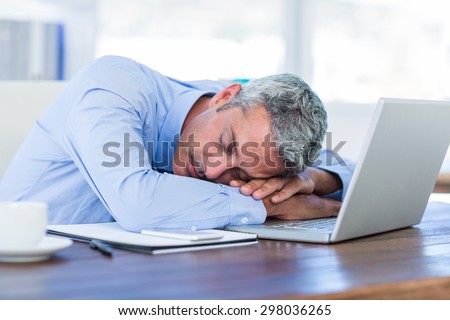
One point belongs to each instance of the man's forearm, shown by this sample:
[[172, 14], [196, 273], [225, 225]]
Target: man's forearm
[[302, 206], [341, 168], [325, 182]]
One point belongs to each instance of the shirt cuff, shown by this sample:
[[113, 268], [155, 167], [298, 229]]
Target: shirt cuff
[[245, 209]]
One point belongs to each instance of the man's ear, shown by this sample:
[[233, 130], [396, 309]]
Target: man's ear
[[225, 95]]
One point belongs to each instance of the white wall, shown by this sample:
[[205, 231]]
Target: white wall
[[20, 105], [349, 123]]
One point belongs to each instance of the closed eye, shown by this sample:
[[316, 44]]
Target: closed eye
[[229, 147]]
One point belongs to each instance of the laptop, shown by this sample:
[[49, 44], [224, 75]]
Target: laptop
[[393, 179]]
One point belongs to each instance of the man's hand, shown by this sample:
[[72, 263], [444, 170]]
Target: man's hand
[[311, 181], [302, 206]]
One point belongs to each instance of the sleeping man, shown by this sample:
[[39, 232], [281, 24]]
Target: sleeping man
[[124, 143]]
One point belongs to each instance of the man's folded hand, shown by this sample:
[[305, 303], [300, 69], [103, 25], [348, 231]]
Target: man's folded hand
[[311, 181]]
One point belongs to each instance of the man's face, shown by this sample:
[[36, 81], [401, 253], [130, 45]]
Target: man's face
[[226, 145]]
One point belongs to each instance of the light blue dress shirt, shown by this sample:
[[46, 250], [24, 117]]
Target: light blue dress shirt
[[85, 156]]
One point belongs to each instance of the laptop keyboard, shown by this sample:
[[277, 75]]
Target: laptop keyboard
[[317, 224]]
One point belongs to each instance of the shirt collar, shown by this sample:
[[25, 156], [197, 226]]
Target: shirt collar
[[171, 128]]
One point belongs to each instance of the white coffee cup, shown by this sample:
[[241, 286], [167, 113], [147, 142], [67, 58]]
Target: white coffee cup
[[22, 224]]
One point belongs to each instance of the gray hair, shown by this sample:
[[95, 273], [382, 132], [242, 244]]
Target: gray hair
[[299, 119]]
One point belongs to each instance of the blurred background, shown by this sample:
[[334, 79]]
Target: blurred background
[[352, 52], [348, 50]]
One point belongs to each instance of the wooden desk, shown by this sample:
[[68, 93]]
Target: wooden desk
[[412, 263]]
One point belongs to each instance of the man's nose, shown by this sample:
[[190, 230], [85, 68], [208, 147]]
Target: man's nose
[[217, 166]]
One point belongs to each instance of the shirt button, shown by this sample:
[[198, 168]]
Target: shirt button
[[194, 228], [244, 220]]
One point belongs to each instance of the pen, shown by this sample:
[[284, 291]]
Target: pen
[[104, 248]]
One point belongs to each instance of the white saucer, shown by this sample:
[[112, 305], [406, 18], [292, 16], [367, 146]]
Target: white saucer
[[41, 252]]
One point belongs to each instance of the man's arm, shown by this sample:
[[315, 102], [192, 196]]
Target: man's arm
[[302, 206], [339, 167], [314, 193], [330, 177]]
